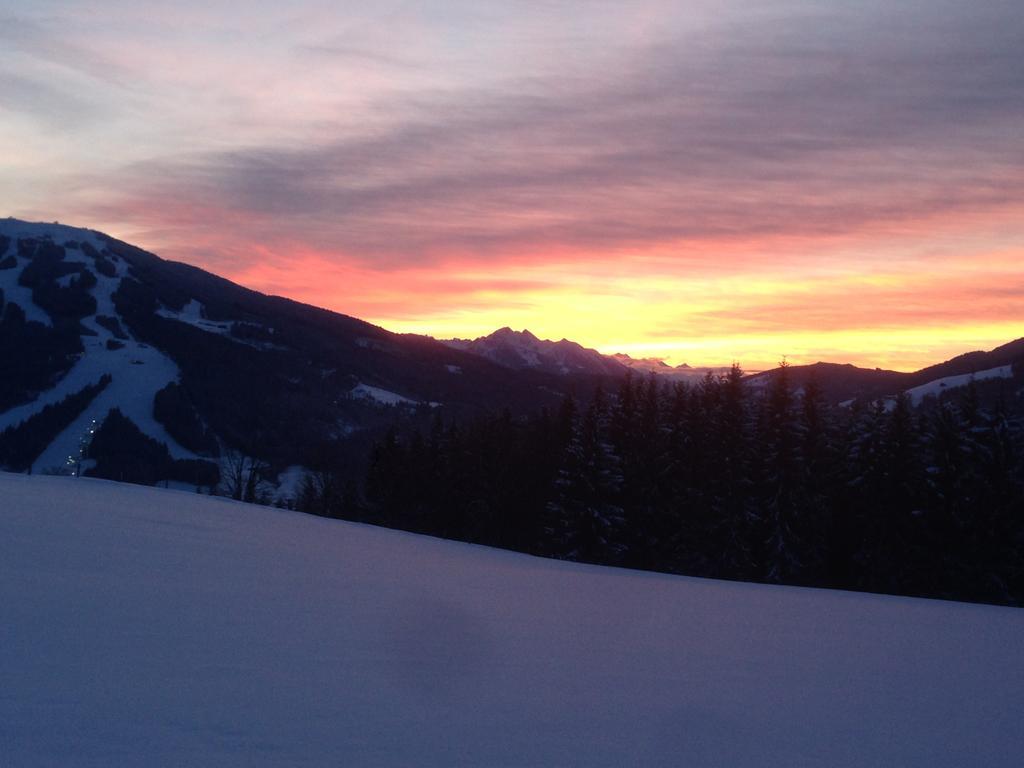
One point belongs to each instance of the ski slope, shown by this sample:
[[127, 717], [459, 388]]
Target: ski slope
[[938, 386], [160, 628], [137, 370], [378, 395]]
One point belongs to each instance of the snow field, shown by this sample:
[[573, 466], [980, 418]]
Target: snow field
[[161, 628], [938, 386], [378, 395]]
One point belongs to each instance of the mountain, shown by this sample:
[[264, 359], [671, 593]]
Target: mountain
[[521, 350], [971, 362], [840, 382], [657, 366], [158, 628], [124, 365], [845, 383], [205, 367]]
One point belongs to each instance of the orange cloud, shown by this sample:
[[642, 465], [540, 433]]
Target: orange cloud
[[903, 315], [706, 184]]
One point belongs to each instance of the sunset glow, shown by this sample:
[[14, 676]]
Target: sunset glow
[[699, 182]]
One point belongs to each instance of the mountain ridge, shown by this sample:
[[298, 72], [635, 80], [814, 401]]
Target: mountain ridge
[[523, 350], [205, 367], [519, 350], [267, 375]]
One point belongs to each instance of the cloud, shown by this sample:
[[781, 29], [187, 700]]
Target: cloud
[[786, 127], [53, 45], [636, 161], [921, 301], [54, 107], [355, 56]]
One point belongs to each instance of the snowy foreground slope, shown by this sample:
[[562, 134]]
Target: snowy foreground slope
[[161, 628]]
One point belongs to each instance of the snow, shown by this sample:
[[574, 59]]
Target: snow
[[521, 349], [383, 396], [917, 394], [19, 294], [289, 483], [103, 292], [193, 314], [529, 357], [160, 628], [138, 371], [58, 233], [647, 365], [365, 343]]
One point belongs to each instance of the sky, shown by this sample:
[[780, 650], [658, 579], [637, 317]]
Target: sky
[[706, 182]]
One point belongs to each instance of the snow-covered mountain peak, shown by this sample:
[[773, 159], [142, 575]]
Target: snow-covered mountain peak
[[522, 349], [508, 333], [63, 280], [654, 363], [658, 367], [54, 231]]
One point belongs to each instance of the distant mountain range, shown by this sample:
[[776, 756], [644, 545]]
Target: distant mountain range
[[841, 383], [522, 350], [200, 368], [661, 369]]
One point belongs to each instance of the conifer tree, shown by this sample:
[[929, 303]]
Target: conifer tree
[[780, 468], [585, 519]]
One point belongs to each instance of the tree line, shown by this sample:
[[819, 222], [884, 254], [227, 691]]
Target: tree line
[[721, 480]]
